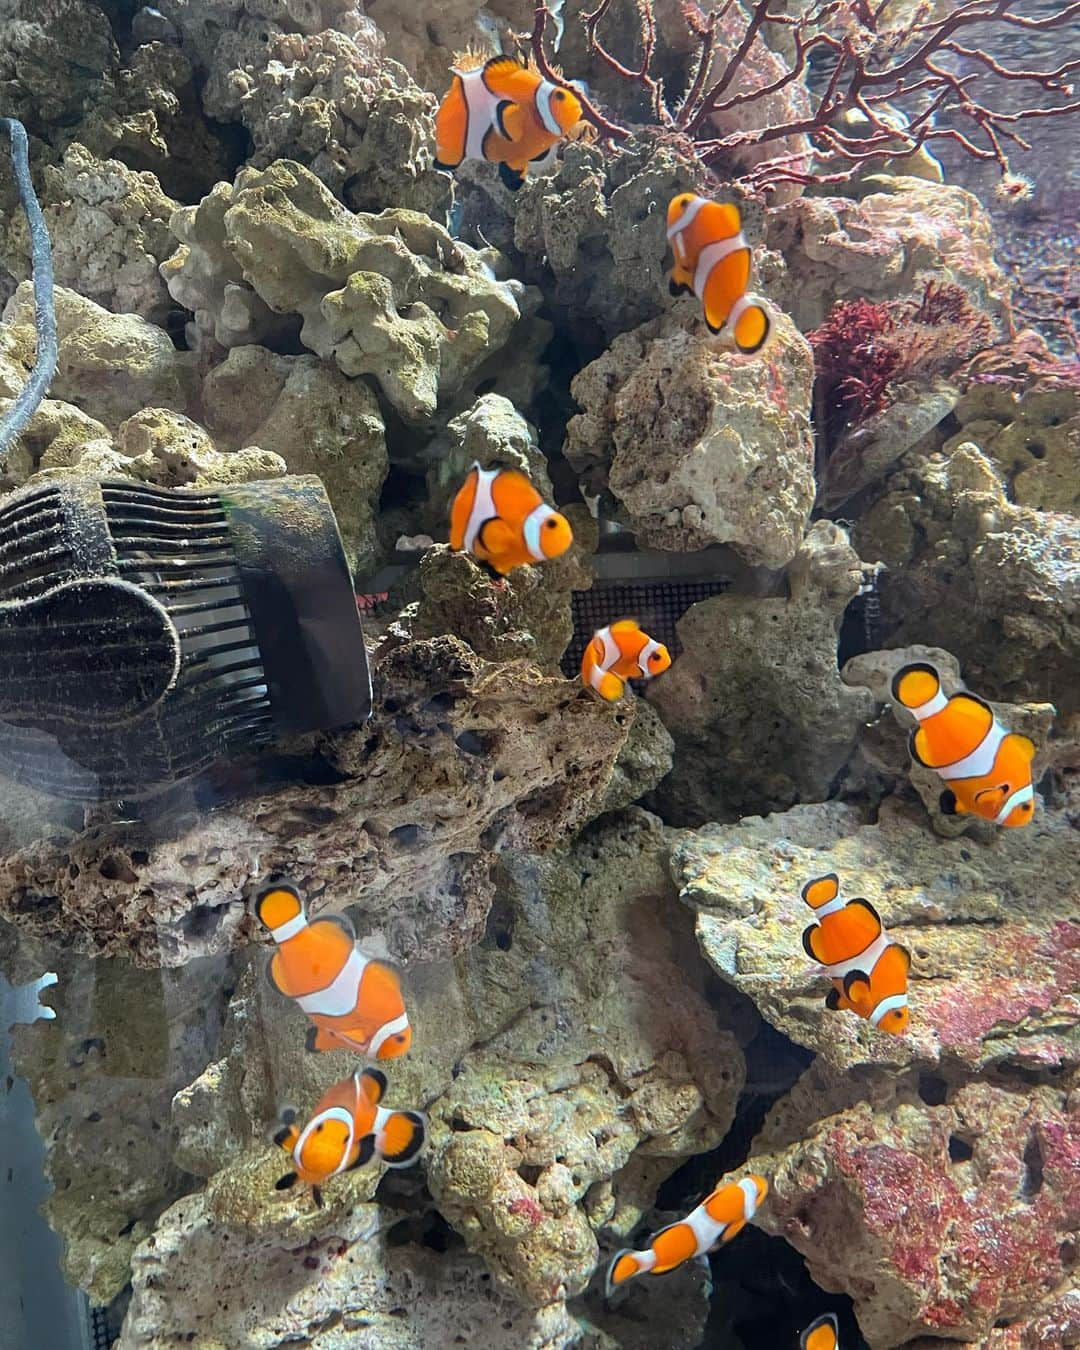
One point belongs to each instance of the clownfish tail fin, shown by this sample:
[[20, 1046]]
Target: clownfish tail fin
[[821, 1334], [624, 1266], [279, 903], [916, 684], [752, 327], [821, 890], [400, 1137]]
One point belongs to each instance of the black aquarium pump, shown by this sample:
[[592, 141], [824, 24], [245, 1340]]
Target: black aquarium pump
[[147, 632]]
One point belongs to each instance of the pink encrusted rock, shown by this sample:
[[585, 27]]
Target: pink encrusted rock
[[883, 246], [992, 927], [942, 1220]]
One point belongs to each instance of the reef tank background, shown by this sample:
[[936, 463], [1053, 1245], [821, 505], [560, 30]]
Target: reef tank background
[[595, 907]]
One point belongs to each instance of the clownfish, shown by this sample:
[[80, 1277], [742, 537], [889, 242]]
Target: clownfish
[[868, 971], [822, 1334], [719, 1218], [712, 259], [503, 112], [354, 1001], [347, 1128], [501, 519], [620, 653], [987, 768]]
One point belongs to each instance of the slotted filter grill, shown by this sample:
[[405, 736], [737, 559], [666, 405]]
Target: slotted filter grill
[[657, 605], [146, 632]]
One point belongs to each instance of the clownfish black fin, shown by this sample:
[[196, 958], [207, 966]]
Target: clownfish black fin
[[903, 952], [860, 903], [510, 177], [440, 167], [852, 978], [339, 921], [947, 803], [373, 1083], [316, 1194], [401, 1138], [832, 999], [500, 113], [677, 288], [808, 939], [713, 329], [286, 1182], [310, 1041], [365, 1155], [283, 1137]]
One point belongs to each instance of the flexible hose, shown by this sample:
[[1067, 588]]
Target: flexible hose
[[29, 399]]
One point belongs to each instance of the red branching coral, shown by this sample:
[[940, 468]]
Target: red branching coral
[[873, 65], [863, 352]]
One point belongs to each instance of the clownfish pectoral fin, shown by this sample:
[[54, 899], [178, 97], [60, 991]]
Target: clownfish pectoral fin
[[318, 1041], [364, 1153], [852, 982], [821, 890], [401, 1138], [832, 999], [989, 801], [822, 1334], [496, 537], [511, 178], [611, 688], [286, 1182], [286, 1137], [373, 1084], [811, 940], [501, 109], [947, 803], [677, 288]]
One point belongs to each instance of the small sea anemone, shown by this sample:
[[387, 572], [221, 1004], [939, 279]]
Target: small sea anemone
[[1014, 187]]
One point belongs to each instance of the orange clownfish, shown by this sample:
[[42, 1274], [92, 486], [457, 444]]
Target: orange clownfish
[[869, 973], [354, 1001], [712, 259], [718, 1219], [987, 768], [822, 1334], [505, 113], [620, 653], [501, 519], [347, 1128]]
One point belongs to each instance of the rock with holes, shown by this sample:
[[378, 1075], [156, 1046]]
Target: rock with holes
[[1032, 439], [882, 246], [760, 716], [401, 820], [102, 1077], [990, 924], [995, 583], [349, 1282], [392, 296], [941, 1220]]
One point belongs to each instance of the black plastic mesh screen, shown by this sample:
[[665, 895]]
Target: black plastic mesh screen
[[657, 606]]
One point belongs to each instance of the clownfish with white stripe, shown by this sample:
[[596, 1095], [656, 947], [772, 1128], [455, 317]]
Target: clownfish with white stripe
[[712, 259], [504, 112], [987, 768], [354, 1001], [501, 519], [347, 1129], [869, 972], [721, 1216], [619, 653], [823, 1333]]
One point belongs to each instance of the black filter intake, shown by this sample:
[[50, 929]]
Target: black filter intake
[[147, 632]]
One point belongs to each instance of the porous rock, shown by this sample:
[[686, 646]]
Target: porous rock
[[102, 1077], [317, 420], [392, 295], [109, 228], [760, 716], [173, 451], [939, 1220], [991, 928], [1033, 440], [462, 758], [883, 246], [109, 365], [349, 1285], [995, 583], [696, 444]]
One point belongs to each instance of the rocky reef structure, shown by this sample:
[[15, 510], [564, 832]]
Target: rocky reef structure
[[595, 907]]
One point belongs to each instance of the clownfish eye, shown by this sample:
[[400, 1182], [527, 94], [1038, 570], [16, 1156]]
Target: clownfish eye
[[550, 523], [560, 93]]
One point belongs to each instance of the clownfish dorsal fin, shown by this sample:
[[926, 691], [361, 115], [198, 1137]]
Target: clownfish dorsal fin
[[502, 65], [626, 626], [902, 954], [341, 921], [860, 903], [1024, 744], [811, 941], [821, 890], [726, 220]]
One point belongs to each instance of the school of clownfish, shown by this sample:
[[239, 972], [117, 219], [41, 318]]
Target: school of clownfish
[[505, 113]]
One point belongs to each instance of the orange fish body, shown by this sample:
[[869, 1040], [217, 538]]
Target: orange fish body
[[354, 1001], [501, 519], [868, 971], [719, 1218], [712, 259], [987, 768], [821, 1334], [619, 653], [347, 1128], [505, 113]]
